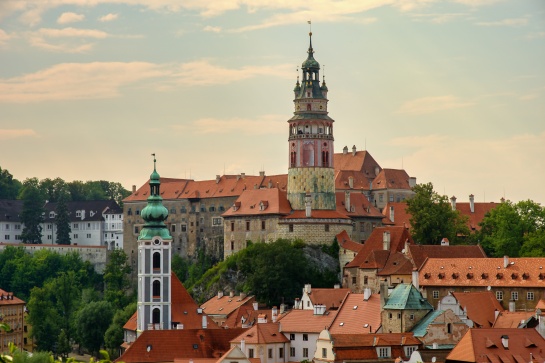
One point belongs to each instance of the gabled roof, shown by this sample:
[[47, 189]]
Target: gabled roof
[[360, 161], [170, 189], [359, 206], [262, 333], [226, 304], [392, 179], [166, 345], [512, 319], [485, 346], [406, 297], [345, 242], [520, 272], [400, 217], [397, 264], [91, 210], [260, 202], [373, 255], [10, 210], [249, 315], [363, 347], [479, 211], [305, 321], [357, 316], [480, 306], [331, 298], [419, 253], [7, 298], [359, 181], [421, 328]]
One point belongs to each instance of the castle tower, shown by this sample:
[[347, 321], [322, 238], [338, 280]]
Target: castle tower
[[154, 255], [311, 141]]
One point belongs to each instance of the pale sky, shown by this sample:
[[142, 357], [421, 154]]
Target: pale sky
[[452, 91]]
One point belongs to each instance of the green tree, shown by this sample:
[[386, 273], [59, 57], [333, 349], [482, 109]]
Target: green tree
[[43, 318], [114, 335], [9, 187], [513, 229], [67, 294], [117, 278], [63, 345], [62, 221], [432, 217], [92, 322], [32, 212], [54, 189]]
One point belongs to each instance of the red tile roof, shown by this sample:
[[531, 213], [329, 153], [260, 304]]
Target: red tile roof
[[249, 315], [359, 180], [479, 211], [260, 202], [397, 264], [419, 253], [373, 255], [345, 242], [331, 298], [512, 319], [305, 321], [131, 324], [7, 298], [359, 205], [520, 272], [363, 346], [262, 333], [167, 345], [392, 179], [358, 316], [481, 306], [316, 214], [401, 217], [485, 346], [170, 189], [361, 161], [226, 305]]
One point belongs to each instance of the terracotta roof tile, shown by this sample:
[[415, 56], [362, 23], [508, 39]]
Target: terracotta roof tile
[[485, 346], [392, 179], [305, 321], [361, 161], [260, 202], [7, 298], [400, 216], [363, 346], [170, 189], [168, 345], [226, 305], [419, 253], [397, 264], [480, 306], [345, 242], [512, 319], [316, 214], [131, 324], [262, 333], [359, 205], [331, 298], [520, 272], [249, 315], [479, 211], [359, 181], [358, 316]]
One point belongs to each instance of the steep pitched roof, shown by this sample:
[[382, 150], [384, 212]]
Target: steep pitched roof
[[226, 304], [247, 316], [305, 321], [373, 255], [397, 264], [357, 316], [512, 319], [419, 253], [331, 298], [345, 242], [350, 347], [360, 206], [485, 346], [262, 333], [421, 328], [520, 272], [479, 211], [398, 215], [480, 306], [343, 178], [260, 202], [166, 345], [90, 210], [360, 161], [10, 210], [7, 298], [406, 297], [392, 179], [170, 189]]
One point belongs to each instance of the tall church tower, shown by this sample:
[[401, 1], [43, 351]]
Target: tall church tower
[[311, 141], [154, 255]]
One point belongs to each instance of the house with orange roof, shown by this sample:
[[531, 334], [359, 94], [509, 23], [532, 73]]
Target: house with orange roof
[[518, 283], [364, 215], [166, 346], [359, 314], [516, 319], [348, 249], [246, 316], [381, 251], [264, 341], [302, 328], [499, 345], [330, 298], [477, 309], [221, 307], [333, 348], [419, 253], [12, 312]]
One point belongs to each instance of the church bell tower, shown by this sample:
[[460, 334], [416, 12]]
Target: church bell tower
[[311, 141], [154, 256]]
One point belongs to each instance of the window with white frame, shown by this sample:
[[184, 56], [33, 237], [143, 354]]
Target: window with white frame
[[305, 337], [435, 294], [292, 351], [514, 295], [216, 221], [409, 350], [292, 336], [384, 352], [530, 295], [499, 295], [324, 352], [305, 352]]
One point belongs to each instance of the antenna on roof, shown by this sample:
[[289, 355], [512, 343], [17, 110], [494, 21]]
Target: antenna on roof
[[365, 146]]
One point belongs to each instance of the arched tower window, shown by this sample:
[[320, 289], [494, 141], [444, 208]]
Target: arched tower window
[[308, 107], [308, 155], [156, 316], [156, 288], [293, 159], [325, 158], [156, 260]]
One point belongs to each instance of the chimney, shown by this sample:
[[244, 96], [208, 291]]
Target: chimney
[[412, 182], [220, 294], [218, 179], [282, 308], [472, 203], [453, 202], [366, 293], [232, 294], [377, 170], [336, 286], [243, 346], [505, 261], [274, 314], [354, 150], [242, 296], [242, 175], [262, 173], [392, 213], [351, 182], [347, 200], [502, 200], [270, 185], [505, 341], [133, 189], [386, 240], [406, 248], [255, 305], [204, 322], [444, 241], [308, 288], [308, 205], [297, 304], [345, 150], [180, 326], [414, 278], [383, 294], [496, 314]]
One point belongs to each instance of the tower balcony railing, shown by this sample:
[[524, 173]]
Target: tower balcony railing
[[311, 136]]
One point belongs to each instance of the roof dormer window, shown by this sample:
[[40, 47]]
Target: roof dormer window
[[78, 214]]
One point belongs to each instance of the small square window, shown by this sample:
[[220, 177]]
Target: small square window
[[435, 294]]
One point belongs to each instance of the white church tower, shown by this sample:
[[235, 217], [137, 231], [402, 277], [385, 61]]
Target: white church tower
[[154, 256]]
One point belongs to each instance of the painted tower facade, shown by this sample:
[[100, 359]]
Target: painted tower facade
[[154, 256], [311, 174]]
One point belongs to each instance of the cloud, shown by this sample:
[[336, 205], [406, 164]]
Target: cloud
[[263, 125], [432, 104], [410, 5], [213, 29], [108, 17], [66, 40], [437, 18], [70, 81], [4, 37], [69, 17], [6, 134], [505, 22], [492, 166]]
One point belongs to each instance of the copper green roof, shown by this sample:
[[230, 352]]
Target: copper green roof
[[407, 297], [310, 62], [422, 327]]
